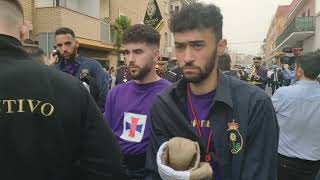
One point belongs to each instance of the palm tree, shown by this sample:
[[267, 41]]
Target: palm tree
[[121, 23]]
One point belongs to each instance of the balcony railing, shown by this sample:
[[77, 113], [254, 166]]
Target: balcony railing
[[299, 24], [87, 27]]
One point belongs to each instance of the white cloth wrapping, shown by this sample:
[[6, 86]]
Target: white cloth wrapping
[[166, 172]]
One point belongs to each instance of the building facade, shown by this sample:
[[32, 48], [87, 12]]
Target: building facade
[[135, 10], [275, 29], [89, 20], [93, 22], [300, 27], [294, 26]]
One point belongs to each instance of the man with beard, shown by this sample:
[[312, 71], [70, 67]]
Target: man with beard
[[298, 111], [128, 105], [87, 70], [233, 121]]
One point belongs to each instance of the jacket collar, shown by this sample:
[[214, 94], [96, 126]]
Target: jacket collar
[[223, 91], [78, 60], [11, 47]]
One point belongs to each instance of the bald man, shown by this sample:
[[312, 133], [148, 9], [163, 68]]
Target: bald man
[[50, 127]]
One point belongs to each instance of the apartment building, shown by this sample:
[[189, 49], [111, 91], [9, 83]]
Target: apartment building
[[275, 30], [89, 20], [299, 27], [92, 22], [296, 28]]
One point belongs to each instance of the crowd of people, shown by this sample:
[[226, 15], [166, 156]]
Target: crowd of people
[[199, 120]]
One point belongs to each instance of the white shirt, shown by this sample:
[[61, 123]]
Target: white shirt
[[270, 72], [298, 112]]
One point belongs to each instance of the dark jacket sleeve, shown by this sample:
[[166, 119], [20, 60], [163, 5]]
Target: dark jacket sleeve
[[263, 77], [260, 160], [157, 137], [100, 157], [102, 85]]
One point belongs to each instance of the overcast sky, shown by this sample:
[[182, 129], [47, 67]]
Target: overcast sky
[[247, 21]]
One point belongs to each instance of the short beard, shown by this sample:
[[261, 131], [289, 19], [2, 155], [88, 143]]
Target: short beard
[[142, 72], [73, 55], [208, 68]]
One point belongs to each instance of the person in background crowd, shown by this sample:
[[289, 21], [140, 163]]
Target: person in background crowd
[[50, 127], [276, 79], [243, 74], [165, 73], [288, 75], [128, 104], [224, 64], [113, 77], [270, 72], [233, 121], [177, 71], [123, 75], [259, 74], [81, 67], [298, 111], [36, 54]]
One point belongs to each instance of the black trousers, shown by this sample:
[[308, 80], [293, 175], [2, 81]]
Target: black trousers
[[296, 169], [274, 86], [134, 166]]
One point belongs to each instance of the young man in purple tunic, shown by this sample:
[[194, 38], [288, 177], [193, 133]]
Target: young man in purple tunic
[[128, 105], [233, 121]]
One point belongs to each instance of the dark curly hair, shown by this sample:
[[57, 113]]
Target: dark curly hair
[[198, 16], [64, 30], [142, 34], [310, 64]]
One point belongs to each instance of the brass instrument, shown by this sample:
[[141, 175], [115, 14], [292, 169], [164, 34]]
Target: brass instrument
[[251, 76], [252, 72]]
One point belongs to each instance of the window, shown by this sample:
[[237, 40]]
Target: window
[[176, 8], [105, 32], [30, 34], [166, 42], [303, 14], [308, 12], [113, 36]]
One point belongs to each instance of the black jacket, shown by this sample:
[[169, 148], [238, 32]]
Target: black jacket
[[235, 100], [170, 76], [122, 75], [263, 77], [98, 79], [280, 77], [50, 127]]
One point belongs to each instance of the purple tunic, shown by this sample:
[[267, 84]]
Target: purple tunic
[[127, 112], [201, 105]]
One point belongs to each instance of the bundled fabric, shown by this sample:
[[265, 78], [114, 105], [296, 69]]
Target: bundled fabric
[[179, 159]]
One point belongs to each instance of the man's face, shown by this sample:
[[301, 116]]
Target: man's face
[[140, 59], [257, 63], [162, 67], [67, 46], [196, 53]]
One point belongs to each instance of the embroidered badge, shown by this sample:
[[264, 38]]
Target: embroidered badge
[[133, 127], [236, 140], [84, 72]]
